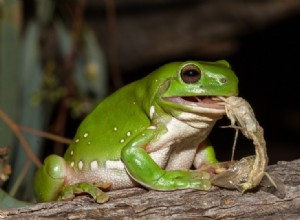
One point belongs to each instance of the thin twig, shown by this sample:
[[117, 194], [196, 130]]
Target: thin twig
[[46, 135], [20, 178], [113, 43], [68, 70], [26, 146]]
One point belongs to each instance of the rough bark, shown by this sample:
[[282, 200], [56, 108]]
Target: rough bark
[[263, 203]]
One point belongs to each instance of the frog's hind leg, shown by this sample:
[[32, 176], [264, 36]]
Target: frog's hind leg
[[51, 179], [205, 159], [70, 191]]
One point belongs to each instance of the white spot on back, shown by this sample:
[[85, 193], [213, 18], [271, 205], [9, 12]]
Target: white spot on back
[[94, 165], [110, 164], [152, 127], [89, 143], [72, 152], [115, 129], [86, 135], [128, 133], [77, 140], [80, 165], [152, 111], [122, 140], [72, 164]]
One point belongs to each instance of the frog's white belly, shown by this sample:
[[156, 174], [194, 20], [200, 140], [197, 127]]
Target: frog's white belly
[[175, 149]]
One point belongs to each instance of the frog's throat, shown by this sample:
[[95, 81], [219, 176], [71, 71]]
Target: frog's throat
[[209, 102]]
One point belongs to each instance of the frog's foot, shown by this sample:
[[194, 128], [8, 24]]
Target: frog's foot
[[178, 179], [70, 191], [216, 168]]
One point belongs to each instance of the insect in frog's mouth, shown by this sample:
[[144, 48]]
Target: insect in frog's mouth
[[201, 101]]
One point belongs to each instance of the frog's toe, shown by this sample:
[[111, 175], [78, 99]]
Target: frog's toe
[[196, 180], [179, 179], [70, 191], [200, 185], [216, 168], [200, 180]]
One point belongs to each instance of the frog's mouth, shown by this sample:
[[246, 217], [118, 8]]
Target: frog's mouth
[[211, 102]]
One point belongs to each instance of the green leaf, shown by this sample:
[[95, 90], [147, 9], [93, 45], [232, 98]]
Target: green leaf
[[9, 66], [7, 201]]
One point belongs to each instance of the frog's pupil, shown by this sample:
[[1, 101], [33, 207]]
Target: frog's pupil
[[192, 73]]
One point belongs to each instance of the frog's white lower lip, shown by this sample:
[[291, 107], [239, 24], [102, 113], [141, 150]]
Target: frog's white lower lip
[[211, 102]]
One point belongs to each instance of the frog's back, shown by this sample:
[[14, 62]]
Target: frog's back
[[106, 130]]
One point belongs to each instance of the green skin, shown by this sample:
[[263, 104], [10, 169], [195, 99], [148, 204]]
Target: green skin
[[144, 133]]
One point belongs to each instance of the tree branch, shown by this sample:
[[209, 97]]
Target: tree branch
[[137, 203]]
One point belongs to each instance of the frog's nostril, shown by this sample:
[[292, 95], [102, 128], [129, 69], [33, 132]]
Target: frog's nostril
[[223, 80]]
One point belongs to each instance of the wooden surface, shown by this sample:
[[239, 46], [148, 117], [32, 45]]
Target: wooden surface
[[137, 203]]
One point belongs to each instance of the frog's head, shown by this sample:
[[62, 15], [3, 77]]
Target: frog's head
[[196, 85]]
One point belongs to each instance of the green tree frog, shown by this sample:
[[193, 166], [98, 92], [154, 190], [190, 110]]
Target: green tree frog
[[150, 133]]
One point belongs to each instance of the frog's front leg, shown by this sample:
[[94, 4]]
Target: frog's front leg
[[50, 182], [142, 168], [205, 159]]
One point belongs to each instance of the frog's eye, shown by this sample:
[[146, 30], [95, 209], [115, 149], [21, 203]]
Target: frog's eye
[[190, 74]]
